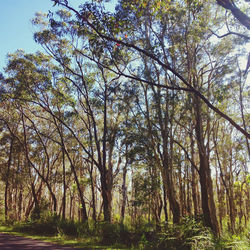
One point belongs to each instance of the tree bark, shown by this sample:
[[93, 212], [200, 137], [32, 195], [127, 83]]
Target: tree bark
[[208, 204], [7, 180], [124, 190], [106, 196], [64, 186], [194, 182]]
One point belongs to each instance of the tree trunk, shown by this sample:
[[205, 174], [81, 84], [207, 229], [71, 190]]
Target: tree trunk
[[20, 201], [170, 186], [208, 205], [7, 180], [93, 192], [174, 205], [106, 196], [124, 187], [124, 193], [165, 208], [181, 194], [194, 182], [64, 185]]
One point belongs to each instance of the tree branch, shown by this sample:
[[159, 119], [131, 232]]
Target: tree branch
[[165, 66], [237, 13], [230, 33]]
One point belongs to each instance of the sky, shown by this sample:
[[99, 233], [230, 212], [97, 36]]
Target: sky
[[16, 30]]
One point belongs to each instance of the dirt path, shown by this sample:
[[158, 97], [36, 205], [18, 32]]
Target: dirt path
[[12, 242]]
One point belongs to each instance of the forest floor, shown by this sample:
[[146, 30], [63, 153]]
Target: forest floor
[[10, 239]]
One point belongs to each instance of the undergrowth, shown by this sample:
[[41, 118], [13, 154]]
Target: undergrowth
[[189, 234]]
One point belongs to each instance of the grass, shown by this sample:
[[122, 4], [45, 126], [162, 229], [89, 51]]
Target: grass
[[83, 243]]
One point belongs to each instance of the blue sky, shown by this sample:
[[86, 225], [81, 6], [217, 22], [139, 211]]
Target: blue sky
[[16, 30]]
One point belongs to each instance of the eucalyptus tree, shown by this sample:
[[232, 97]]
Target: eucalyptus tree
[[25, 82], [13, 170], [177, 54], [7, 141], [107, 28], [80, 57], [231, 162]]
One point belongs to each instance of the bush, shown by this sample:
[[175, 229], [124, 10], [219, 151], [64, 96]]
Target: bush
[[41, 210], [44, 226], [190, 234], [112, 233], [72, 228]]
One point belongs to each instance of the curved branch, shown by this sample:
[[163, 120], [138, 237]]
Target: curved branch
[[165, 66], [237, 13], [230, 33]]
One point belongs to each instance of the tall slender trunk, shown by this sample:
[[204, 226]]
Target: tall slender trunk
[[181, 194], [170, 187], [167, 175], [165, 208], [20, 201], [106, 196], [64, 185], [84, 216], [93, 191], [30, 163], [189, 202], [106, 188], [194, 182], [71, 206], [174, 205], [7, 180], [124, 192], [167, 161], [208, 204]]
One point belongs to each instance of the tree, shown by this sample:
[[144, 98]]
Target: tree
[[237, 13]]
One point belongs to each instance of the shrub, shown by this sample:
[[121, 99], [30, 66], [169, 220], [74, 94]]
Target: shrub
[[110, 233], [190, 234], [41, 210], [43, 226], [72, 228]]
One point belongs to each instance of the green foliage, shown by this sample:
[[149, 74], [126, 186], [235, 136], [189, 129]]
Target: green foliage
[[190, 234], [71, 228], [43, 226], [240, 240], [52, 225], [40, 211], [35, 213], [112, 233], [235, 242], [143, 242], [68, 84]]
